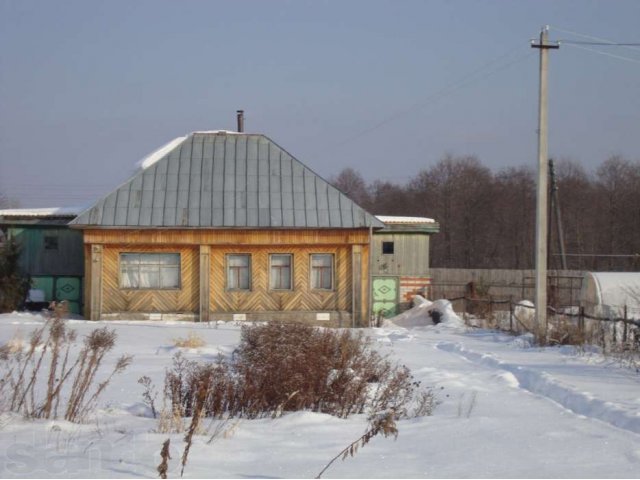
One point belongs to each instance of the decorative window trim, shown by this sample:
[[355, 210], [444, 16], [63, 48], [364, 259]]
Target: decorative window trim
[[160, 265], [249, 272], [332, 272], [290, 267]]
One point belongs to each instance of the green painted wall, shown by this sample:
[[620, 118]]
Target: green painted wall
[[38, 255]]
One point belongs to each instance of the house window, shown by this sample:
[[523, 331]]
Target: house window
[[280, 272], [387, 248], [322, 271], [239, 272], [50, 242], [143, 271]]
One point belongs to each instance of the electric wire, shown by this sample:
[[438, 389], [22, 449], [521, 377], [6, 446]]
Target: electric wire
[[477, 74], [591, 37], [607, 54]]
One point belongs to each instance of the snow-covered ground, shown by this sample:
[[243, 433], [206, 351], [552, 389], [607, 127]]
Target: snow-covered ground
[[507, 409]]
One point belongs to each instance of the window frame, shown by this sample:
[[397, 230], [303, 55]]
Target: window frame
[[138, 288], [51, 242], [332, 268], [249, 272], [280, 289], [393, 247]]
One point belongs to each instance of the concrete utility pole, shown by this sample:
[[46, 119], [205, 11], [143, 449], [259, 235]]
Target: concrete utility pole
[[555, 205], [542, 194]]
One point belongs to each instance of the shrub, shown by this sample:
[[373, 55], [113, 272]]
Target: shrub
[[287, 367], [13, 287]]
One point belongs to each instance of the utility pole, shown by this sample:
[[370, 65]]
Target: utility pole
[[542, 192], [555, 203]]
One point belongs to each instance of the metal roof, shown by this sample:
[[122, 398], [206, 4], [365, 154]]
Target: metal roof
[[226, 180], [393, 219]]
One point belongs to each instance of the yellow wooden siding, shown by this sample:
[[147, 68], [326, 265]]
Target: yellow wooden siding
[[116, 299], [262, 298], [227, 237], [301, 244]]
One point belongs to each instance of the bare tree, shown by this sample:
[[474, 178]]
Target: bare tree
[[351, 183]]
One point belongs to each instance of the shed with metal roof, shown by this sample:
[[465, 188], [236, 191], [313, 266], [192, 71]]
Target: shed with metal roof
[[51, 255], [400, 262]]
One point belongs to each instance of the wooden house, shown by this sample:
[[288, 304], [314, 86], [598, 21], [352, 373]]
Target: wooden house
[[224, 225], [400, 262], [51, 254]]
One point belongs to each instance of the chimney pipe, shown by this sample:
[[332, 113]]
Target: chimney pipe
[[240, 121]]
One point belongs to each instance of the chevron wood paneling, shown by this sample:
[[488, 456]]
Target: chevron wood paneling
[[260, 298], [300, 244], [185, 299]]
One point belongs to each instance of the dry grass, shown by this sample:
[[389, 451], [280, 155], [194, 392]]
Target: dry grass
[[33, 376], [193, 340]]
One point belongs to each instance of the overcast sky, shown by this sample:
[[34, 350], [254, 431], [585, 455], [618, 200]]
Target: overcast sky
[[88, 88]]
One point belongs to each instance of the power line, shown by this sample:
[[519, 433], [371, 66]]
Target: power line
[[480, 73], [604, 44], [591, 37], [606, 54]]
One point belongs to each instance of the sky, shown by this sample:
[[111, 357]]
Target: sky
[[385, 87]]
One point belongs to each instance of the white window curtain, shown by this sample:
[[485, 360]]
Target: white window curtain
[[322, 271], [150, 270], [238, 272], [280, 274]]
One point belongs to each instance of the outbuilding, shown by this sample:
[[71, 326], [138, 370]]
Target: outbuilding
[[400, 262], [611, 294], [50, 253]]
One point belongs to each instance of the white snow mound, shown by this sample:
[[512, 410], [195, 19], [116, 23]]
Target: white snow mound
[[420, 314]]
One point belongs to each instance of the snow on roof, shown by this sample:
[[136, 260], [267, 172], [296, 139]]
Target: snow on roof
[[156, 155], [404, 220], [42, 212], [227, 132], [618, 288]]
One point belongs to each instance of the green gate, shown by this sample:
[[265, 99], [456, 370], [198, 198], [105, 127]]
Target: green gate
[[385, 295], [60, 288]]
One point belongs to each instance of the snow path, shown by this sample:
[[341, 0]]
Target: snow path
[[544, 384]]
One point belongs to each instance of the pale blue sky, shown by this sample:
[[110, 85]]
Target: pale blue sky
[[87, 88]]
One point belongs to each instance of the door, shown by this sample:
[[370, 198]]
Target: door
[[385, 295], [69, 289]]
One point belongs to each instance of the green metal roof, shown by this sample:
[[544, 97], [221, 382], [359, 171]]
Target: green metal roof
[[226, 180]]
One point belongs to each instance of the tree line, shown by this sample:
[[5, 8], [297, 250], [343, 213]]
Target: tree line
[[487, 219]]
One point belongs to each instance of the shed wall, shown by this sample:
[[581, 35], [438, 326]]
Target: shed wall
[[35, 259], [410, 257]]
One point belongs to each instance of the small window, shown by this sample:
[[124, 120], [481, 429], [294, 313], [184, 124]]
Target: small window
[[280, 272], [322, 271], [387, 248], [239, 272], [50, 242], [143, 271]]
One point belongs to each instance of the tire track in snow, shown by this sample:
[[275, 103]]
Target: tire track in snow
[[544, 384]]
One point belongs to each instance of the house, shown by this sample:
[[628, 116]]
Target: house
[[50, 253], [222, 225], [400, 262]]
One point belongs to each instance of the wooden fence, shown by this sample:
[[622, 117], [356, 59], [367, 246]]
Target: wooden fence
[[563, 285]]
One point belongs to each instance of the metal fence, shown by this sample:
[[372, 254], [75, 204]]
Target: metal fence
[[565, 326]]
